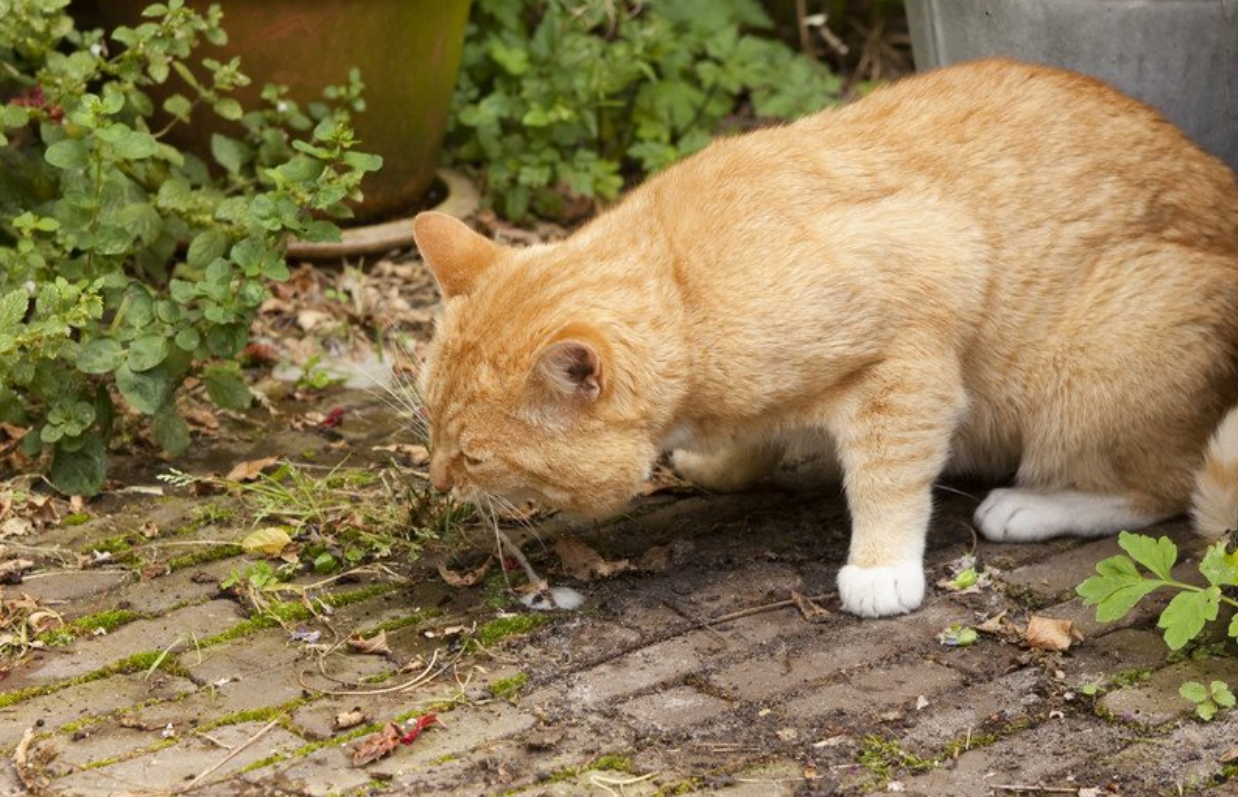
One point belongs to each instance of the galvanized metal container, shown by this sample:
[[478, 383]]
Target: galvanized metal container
[[1180, 56]]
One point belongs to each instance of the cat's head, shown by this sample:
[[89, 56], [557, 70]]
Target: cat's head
[[527, 382]]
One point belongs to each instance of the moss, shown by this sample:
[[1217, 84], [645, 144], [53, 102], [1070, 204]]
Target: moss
[[211, 553], [263, 714], [976, 740], [112, 545], [885, 757], [76, 519], [414, 619], [1130, 678], [277, 612], [683, 787], [508, 688], [614, 763], [501, 628], [138, 662]]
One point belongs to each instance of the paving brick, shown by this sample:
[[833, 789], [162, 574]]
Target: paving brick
[[952, 715], [172, 767], [869, 691], [850, 643], [328, 771], [189, 585], [673, 709], [1049, 754], [1097, 660], [70, 592], [1200, 748], [93, 699], [634, 672], [175, 631], [1156, 700]]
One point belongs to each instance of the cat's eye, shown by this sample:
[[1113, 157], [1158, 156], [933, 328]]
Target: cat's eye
[[471, 460]]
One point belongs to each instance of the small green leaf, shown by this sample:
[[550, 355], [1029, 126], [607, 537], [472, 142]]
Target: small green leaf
[[68, 154], [80, 471], [325, 563], [230, 153], [171, 432], [1220, 693], [13, 309], [229, 109], [100, 356], [178, 105], [1219, 567], [147, 351], [1186, 615], [1193, 691], [226, 386], [146, 391], [1157, 555], [206, 247], [188, 339], [128, 143]]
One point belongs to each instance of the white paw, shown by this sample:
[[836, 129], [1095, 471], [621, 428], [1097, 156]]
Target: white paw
[[1018, 516], [1014, 515], [881, 591]]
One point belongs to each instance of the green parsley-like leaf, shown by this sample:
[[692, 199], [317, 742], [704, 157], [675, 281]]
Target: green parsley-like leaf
[[1116, 588], [1218, 567], [1193, 691], [1157, 555], [1186, 615], [1219, 691]]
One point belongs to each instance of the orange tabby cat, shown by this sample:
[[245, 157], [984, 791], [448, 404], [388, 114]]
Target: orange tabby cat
[[995, 268]]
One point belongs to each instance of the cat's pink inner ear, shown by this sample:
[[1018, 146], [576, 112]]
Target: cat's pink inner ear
[[572, 368], [456, 254]]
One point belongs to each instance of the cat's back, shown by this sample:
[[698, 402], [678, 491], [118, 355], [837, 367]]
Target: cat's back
[[1037, 142]]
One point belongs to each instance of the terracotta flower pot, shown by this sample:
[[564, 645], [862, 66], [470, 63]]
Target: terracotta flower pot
[[408, 52]]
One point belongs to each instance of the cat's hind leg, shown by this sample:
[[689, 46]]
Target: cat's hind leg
[[730, 469], [1024, 515]]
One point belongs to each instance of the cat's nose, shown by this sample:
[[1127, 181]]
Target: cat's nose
[[440, 475]]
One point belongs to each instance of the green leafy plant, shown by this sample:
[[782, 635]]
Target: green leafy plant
[[127, 265], [568, 98], [1118, 585], [1208, 699]]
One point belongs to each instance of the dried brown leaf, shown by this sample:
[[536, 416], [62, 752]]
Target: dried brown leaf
[[583, 563], [467, 579], [655, 559], [349, 719], [1046, 633], [149, 530], [16, 527], [375, 645], [376, 745], [250, 470]]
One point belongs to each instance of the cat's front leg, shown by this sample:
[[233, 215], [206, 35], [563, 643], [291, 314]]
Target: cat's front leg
[[893, 434]]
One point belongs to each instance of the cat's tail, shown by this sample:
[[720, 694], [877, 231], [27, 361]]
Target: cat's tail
[[1214, 505]]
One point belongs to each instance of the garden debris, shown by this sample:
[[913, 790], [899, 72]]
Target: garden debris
[[349, 719], [416, 455], [585, 564], [958, 636], [271, 541], [1045, 633], [1229, 756], [12, 570], [656, 559], [250, 470], [966, 577], [467, 579], [380, 743], [375, 645], [809, 610]]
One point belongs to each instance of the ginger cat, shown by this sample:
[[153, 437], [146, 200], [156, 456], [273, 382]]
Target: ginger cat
[[994, 268]]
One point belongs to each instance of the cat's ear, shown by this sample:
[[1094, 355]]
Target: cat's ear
[[456, 254], [571, 369]]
